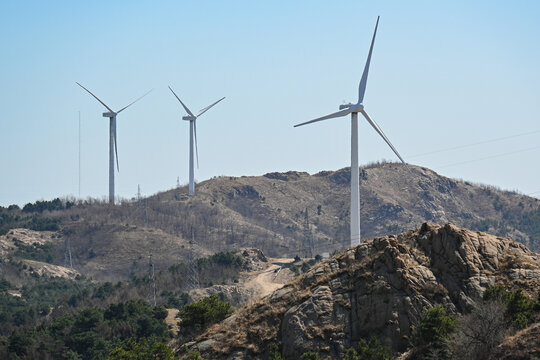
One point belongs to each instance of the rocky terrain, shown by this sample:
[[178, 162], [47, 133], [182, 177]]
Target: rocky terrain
[[381, 288]]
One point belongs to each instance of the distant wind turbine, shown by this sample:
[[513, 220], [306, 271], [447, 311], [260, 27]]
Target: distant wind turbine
[[112, 139], [193, 133], [354, 109]]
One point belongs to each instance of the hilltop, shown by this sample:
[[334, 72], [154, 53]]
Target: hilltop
[[283, 214]]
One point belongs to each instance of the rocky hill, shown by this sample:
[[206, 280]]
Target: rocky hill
[[283, 214], [381, 288]]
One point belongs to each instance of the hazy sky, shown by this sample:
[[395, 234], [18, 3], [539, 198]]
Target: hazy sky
[[443, 75]]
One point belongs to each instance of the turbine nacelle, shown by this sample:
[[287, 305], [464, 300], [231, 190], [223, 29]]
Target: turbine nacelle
[[352, 107], [189, 118], [109, 114]]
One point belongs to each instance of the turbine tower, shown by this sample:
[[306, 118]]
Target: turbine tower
[[112, 139], [193, 136], [354, 109]]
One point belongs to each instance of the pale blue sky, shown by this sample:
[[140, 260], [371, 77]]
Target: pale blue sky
[[443, 74]]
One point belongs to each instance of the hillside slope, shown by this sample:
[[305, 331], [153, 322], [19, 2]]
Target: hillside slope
[[283, 214], [380, 287]]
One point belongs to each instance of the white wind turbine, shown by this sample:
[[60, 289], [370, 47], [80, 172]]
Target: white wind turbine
[[193, 134], [354, 109], [112, 139]]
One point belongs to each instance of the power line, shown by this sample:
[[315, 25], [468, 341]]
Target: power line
[[489, 157], [473, 144]]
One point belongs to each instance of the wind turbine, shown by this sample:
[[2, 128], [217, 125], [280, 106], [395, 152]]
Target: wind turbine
[[354, 109], [112, 138], [193, 133]]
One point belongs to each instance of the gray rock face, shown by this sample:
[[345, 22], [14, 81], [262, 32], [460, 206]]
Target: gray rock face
[[380, 288]]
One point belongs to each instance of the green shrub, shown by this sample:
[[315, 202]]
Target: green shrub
[[142, 349], [221, 258], [368, 350], [518, 307], [192, 355], [203, 313], [434, 328], [310, 355], [275, 354]]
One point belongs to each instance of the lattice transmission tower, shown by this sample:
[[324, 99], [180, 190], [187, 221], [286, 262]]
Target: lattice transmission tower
[[192, 276]]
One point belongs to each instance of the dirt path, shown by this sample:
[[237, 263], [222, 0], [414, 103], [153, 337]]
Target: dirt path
[[266, 281], [172, 321]]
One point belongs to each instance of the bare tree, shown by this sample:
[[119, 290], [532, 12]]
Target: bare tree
[[480, 331]]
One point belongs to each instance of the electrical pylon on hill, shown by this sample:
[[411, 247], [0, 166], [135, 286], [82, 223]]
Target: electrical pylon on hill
[[68, 261], [151, 282], [192, 276], [308, 237]]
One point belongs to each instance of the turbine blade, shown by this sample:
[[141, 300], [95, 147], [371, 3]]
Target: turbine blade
[[363, 81], [208, 107], [196, 148], [381, 133], [102, 103], [115, 144], [334, 115], [125, 107], [185, 107]]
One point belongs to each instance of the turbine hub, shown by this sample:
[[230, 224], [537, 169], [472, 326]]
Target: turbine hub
[[356, 107], [345, 106]]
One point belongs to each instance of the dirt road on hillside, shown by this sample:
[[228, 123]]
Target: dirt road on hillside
[[266, 281]]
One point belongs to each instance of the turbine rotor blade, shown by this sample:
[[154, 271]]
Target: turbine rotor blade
[[102, 103], [196, 147], [381, 133], [125, 107], [115, 144], [185, 107], [363, 81], [334, 115], [208, 107]]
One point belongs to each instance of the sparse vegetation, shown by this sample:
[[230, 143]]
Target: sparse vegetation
[[36, 251], [477, 334], [518, 307]]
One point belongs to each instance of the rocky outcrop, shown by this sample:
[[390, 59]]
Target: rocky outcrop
[[380, 287], [234, 294]]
